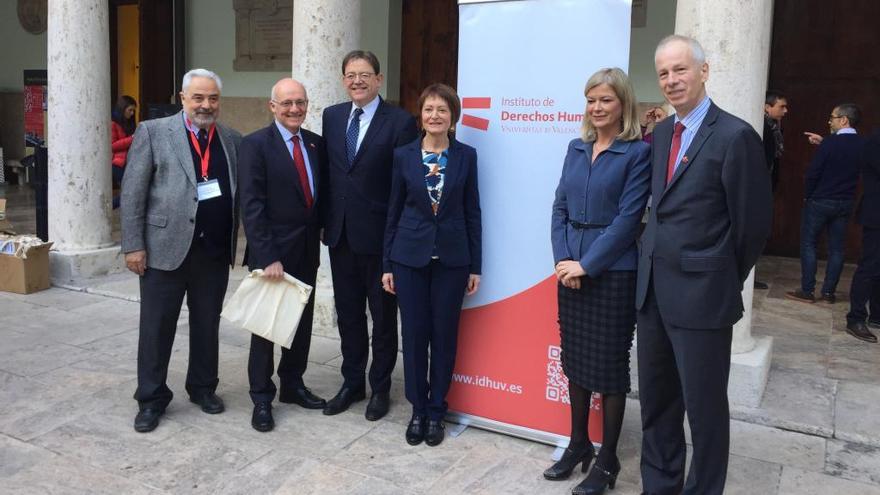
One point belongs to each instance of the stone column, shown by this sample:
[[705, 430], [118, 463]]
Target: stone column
[[79, 138], [736, 37], [323, 32]]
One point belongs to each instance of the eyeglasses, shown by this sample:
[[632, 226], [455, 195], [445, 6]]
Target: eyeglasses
[[286, 104], [364, 76]]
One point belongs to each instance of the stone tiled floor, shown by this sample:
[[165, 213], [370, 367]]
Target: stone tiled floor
[[67, 372]]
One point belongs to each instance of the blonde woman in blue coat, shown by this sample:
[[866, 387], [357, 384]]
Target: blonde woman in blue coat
[[596, 217]]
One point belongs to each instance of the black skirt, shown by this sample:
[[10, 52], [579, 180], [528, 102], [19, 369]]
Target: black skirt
[[596, 325]]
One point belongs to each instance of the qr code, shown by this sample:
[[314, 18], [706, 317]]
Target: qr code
[[557, 382]]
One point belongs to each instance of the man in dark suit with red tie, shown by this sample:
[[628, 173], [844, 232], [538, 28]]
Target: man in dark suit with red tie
[[279, 168], [710, 217], [360, 137]]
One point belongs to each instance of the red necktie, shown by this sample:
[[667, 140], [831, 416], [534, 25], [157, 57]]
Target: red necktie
[[300, 163], [673, 151]]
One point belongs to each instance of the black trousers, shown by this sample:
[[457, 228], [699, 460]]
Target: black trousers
[[203, 279], [430, 307], [357, 281], [865, 288], [682, 370], [293, 362]]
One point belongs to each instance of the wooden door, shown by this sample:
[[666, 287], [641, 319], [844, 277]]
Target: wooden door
[[429, 47], [823, 54], [161, 50]]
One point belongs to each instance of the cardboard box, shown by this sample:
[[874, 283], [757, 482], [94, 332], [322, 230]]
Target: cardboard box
[[25, 275]]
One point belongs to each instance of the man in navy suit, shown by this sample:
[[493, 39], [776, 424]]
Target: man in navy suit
[[360, 137], [710, 217], [279, 168]]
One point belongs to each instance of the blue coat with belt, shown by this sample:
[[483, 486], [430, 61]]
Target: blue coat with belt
[[413, 234], [605, 199]]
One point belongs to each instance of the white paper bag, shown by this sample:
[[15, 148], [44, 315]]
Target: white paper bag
[[268, 308]]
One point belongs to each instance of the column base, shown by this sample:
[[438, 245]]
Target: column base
[[67, 266], [748, 373]]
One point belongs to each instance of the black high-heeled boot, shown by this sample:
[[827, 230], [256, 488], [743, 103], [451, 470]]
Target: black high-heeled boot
[[563, 468], [598, 479]]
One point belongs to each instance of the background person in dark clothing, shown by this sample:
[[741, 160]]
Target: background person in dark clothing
[[866, 280], [775, 108], [829, 190]]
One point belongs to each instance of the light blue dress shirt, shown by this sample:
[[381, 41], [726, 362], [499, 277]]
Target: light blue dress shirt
[[692, 123]]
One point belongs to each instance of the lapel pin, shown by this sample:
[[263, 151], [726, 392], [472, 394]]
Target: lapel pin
[[684, 159]]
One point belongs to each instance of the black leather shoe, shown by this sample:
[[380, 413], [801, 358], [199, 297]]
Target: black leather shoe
[[210, 403], [378, 407], [801, 296], [147, 420], [303, 397], [761, 285], [598, 479], [434, 433], [829, 298], [563, 468], [262, 419], [344, 399], [860, 331], [415, 432], [873, 323]]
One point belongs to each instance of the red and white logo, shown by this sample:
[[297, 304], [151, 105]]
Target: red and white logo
[[471, 120]]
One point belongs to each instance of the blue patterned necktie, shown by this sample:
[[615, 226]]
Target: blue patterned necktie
[[351, 136]]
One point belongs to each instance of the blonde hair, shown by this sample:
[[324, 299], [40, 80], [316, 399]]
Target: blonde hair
[[619, 82]]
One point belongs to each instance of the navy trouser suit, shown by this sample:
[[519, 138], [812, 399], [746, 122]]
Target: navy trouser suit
[[431, 256]]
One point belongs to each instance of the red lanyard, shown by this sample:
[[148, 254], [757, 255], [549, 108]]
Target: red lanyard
[[206, 157]]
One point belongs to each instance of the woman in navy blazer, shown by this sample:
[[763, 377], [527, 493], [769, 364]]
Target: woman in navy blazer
[[596, 217], [432, 254]]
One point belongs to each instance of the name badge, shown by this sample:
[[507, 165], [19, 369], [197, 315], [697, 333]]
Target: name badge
[[209, 189]]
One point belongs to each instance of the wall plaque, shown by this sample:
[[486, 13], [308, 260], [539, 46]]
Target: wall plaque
[[639, 13], [32, 15], [263, 35]]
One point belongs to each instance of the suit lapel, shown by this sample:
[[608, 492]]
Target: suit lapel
[[225, 141], [453, 171], [662, 142], [417, 176], [178, 139], [702, 135], [284, 159], [690, 154], [376, 123], [311, 150]]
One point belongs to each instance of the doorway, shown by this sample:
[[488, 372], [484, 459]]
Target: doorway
[[822, 54], [147, 53], [128, 52]]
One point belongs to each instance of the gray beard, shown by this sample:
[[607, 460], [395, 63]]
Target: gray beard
[[202, 120]]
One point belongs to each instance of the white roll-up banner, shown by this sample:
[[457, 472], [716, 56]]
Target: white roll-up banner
[[522, 67]]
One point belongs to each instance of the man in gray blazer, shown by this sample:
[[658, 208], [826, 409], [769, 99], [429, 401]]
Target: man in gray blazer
[[710, 216], [179, 227]]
